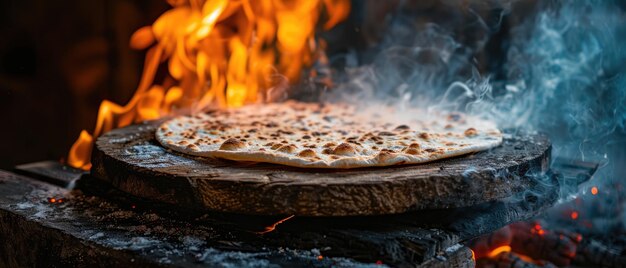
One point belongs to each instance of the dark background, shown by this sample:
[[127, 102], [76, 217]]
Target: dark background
[[58, 61]]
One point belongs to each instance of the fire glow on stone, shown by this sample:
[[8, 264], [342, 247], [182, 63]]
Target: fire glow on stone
[[218, 53]]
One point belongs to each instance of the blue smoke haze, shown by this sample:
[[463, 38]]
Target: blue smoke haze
[[560, 69]]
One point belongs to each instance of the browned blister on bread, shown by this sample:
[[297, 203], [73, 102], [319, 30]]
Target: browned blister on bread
[[232, 145]]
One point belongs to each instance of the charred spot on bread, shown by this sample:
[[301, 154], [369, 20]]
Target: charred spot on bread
[[402, 127], [471, 132], [307, 153], [344, 149], [327, 151], [276, 146], [384, 155], [412, 151], [328, 145], [290, 148], [232, 145], [193, 147]]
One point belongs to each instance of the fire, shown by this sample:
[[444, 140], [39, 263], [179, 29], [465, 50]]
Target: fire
[[594, 190], [217, 53]]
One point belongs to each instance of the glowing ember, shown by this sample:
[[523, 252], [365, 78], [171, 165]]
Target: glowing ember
[[218, 53], [379, 262], [537, 229], [574, 215], [473, 255], [594, 190], [320, 257], [55, 200], [273, 226], [499, 250]]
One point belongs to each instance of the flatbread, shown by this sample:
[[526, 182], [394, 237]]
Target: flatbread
[[313, 135]]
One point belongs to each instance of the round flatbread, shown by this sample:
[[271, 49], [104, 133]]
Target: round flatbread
[[314, 135]]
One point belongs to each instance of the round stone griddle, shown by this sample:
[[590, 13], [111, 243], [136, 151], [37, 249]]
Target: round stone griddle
[[133, 161]]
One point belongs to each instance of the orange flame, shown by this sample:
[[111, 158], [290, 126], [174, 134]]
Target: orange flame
[[217, 53]]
